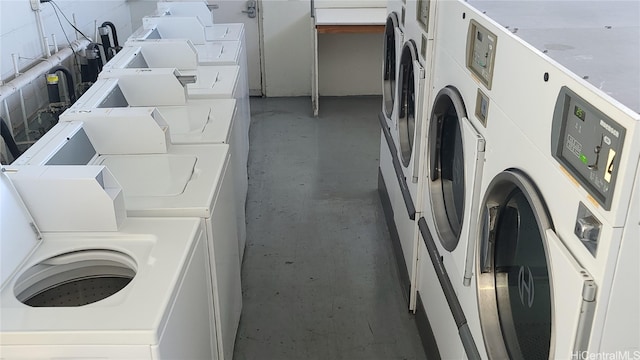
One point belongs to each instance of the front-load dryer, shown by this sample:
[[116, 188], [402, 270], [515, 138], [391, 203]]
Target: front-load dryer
[[561, 161], [401, 147], [132, 292], [453, 161], [190, 120], [182, 181]]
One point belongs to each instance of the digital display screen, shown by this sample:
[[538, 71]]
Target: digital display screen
[[579, 112]]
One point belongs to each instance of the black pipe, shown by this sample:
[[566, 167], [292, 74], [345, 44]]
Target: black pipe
[[114, 34], [8, 139], [94, 64], [106, 44], [68, 81]]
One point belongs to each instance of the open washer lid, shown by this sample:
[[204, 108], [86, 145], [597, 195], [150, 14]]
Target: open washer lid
[[202, 122], [230, 31], [214, 82], [19, 234], [219, 52], [151, 175]]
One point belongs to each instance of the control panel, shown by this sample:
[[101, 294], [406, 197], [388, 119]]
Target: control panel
[[481, 52], [588, 143], [422, 14]]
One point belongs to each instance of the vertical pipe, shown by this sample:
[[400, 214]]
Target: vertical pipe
[[41, 32], [27, 131], [47, 53], [75, 23], [55, 43], [6, 111], [16, 71]]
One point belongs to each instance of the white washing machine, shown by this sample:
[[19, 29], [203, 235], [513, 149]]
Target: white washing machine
[[183, 55], [536, 187], [182, 181], [175, 53], [131, 292], [205, 118], [203, 82], [203, 33]]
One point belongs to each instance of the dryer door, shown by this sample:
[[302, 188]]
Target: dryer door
[[455, 156], [389, 66], [410, 78], [522, 267]]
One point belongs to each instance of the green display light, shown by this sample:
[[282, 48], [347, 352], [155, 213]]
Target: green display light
[[583, 158]]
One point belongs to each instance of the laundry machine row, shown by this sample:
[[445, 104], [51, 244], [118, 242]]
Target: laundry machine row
[[407, 61], [161, 155], [157, 181], [528, 175]]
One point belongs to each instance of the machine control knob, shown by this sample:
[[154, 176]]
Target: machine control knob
[[588, 229]]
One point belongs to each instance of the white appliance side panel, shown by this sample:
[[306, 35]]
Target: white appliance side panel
[[223, 249], [240, 183], [189, 331], [621, 330]]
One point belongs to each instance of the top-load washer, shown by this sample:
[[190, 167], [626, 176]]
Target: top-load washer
[[98, 284], [192, 120], [182, 55], [181, 181], [193, 21], [528, 282]]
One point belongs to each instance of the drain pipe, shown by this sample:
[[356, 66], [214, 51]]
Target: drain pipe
[[114, 34], [5, 132], [43, 67], [68, 81]]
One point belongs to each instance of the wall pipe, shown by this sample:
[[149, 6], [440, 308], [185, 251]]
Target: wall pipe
[[43, 67]]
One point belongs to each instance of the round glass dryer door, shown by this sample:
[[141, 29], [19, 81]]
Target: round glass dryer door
[[389, 67], [446, 165], [408, 93], [514, 287]]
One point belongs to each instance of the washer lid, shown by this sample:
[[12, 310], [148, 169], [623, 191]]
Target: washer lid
[[214, 82], [19, 234], [151, 175]]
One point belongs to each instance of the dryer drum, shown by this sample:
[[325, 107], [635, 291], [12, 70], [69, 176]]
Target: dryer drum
[[514, 287], [447, 166], [75, 279]]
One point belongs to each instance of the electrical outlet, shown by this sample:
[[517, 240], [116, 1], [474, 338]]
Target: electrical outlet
[[35, 5]]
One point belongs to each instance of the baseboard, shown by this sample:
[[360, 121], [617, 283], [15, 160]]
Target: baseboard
[[424, 330], [395, 238]]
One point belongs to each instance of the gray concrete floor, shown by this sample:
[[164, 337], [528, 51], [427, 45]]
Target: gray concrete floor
[[319, 276]]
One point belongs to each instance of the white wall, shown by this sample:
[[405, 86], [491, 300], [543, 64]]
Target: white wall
[[19, 34], [348, 64]]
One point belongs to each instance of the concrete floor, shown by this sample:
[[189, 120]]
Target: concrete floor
[[319, 277]]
